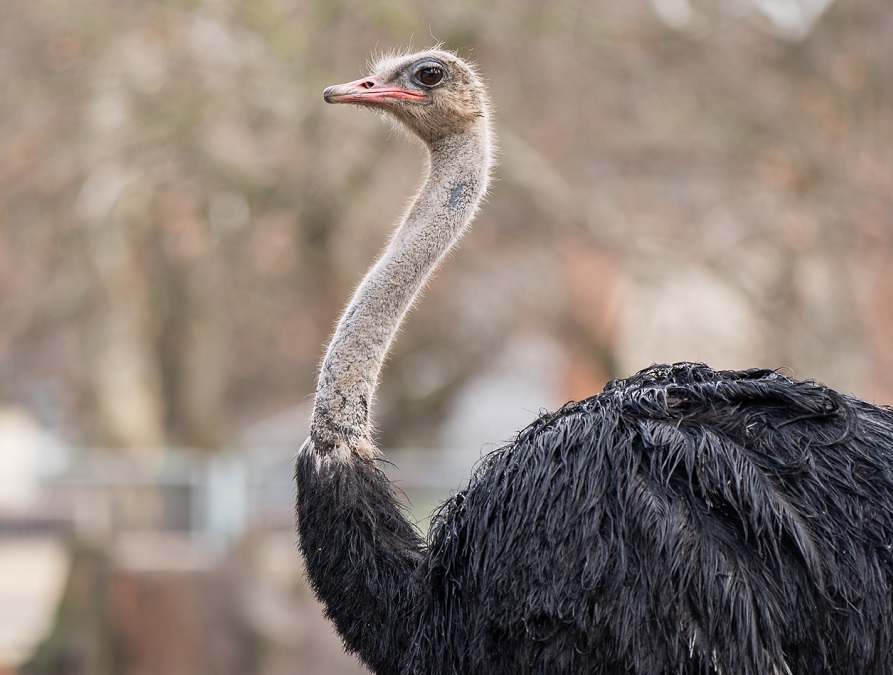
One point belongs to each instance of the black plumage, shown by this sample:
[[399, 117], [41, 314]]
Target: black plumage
[[684, 520]]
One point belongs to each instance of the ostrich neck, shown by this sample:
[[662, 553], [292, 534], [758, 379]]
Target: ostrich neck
[[457, 174]]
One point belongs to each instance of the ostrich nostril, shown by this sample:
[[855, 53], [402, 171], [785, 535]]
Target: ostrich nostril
[[368, 84]]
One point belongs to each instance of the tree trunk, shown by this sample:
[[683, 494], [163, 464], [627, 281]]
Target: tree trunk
[[156, 606]]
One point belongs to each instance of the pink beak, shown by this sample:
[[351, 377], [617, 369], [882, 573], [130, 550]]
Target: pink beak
[[370, 90]]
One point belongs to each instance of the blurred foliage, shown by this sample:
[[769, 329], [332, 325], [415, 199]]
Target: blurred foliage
[[181, 217]]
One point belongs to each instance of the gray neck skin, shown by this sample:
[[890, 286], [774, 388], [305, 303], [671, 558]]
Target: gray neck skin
[[457, 176]]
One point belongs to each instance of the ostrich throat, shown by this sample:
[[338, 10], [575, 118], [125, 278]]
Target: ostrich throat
[[457, 175]]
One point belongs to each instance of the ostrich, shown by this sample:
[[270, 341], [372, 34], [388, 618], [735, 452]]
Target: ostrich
[[683, 520]]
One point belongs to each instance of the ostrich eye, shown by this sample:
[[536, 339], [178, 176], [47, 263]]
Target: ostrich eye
[[430, 76]]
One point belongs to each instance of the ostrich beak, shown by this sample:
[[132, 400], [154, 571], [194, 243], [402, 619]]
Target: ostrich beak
[[368, 91]]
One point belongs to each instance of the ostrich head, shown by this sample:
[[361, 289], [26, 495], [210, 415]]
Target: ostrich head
[[433, 93]]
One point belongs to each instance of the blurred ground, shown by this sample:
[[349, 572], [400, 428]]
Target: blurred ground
[[167, 607]]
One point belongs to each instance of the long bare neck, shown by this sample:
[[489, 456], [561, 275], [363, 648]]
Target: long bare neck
[[457, 175]]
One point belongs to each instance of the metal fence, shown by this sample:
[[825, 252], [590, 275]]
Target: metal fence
[[214, 497]]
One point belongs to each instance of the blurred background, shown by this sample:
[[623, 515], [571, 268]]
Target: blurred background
[[182, 217]]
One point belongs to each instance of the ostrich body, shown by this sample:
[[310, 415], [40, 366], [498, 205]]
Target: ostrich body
[[684, 520]]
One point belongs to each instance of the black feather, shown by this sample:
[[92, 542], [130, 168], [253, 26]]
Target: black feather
[[685, 520]]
